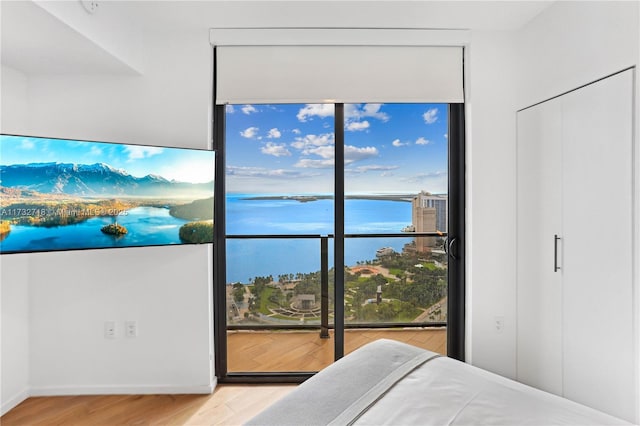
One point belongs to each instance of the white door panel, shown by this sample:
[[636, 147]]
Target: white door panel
[[539, 337], [597, 238]]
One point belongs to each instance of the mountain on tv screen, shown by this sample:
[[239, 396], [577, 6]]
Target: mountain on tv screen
[[58, 194]]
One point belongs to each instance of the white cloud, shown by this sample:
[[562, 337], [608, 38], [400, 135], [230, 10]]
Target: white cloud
[[373, 110], [326, 151], [296, 131], [397, 143], [421, 177], [309, 141], [431, 116], [248, 109], [95, 151], [277, 150], [422, 141], [313, 110], [274, 108], [308, 163], [137, 152], [323, 146], [356, 112], [327, 154], [229, 109], [354, 126], [353, 113], [260, 172], [371, 168], [446, 136], [274, 133], [353, 153], [249, 133]]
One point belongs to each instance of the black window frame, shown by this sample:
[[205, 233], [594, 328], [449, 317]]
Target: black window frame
[[455, 246]]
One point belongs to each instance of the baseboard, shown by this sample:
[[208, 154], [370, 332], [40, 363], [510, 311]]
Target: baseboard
[[13, 401], [120, 390]]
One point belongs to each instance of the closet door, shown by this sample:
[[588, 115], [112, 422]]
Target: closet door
[[597, 244], [539, 290]]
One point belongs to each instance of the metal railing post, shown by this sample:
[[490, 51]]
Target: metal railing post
[[324, 287]]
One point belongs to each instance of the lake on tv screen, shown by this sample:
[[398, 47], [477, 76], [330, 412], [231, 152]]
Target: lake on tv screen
[[58, 194]]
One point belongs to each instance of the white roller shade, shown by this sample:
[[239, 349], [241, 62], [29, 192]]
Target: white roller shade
[[349, 74]]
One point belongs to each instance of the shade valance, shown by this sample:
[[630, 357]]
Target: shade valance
[[338, 73]]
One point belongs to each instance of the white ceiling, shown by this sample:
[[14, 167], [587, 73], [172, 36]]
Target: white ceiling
[[61, 37], [35, 42], [478, 14]]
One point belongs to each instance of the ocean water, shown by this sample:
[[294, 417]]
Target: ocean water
[[249, 258]]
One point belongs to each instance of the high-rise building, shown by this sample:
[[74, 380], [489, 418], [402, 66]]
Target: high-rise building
[[436, 205], [429, 213]]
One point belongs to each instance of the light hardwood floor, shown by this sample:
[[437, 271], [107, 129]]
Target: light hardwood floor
[[228, 405]]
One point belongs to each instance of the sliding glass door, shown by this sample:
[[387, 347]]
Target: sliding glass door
[[335, 229]]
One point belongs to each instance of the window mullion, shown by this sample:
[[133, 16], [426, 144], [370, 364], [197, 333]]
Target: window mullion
[[339, 231]]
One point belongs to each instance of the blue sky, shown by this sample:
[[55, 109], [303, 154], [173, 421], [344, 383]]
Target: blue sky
[[290, 148], [184, 165]]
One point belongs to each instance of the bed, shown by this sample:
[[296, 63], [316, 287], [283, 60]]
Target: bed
[[392, 383]]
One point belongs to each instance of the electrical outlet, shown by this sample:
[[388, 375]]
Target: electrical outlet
[[499, 324], [110, 329], [131, 328]]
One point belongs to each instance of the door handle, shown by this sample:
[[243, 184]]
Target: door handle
[[450, 246], [556, 268]]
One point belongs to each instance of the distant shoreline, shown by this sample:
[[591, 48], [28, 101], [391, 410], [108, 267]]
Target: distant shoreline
[[309, 198]]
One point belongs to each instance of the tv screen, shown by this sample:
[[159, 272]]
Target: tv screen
[[58, 194]]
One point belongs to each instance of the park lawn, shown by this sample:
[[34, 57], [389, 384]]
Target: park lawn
[[265, 304], [397, 272], [405, 315], [430, 266]]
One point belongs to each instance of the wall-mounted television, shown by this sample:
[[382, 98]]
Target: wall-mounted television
[[59, 194]]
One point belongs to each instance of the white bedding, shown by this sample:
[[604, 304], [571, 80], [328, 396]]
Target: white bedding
[[447, 392], [391, 383]]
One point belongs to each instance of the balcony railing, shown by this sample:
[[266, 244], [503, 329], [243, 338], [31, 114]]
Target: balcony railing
[[433, 245]]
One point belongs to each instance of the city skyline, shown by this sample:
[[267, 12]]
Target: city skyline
[[389, 148]]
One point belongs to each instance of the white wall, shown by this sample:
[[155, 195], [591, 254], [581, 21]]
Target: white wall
[[168, 105], [491, 151], [14, 289], [574, 43], [107, 28], [165, 289], [14, 329], [14, 101]]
